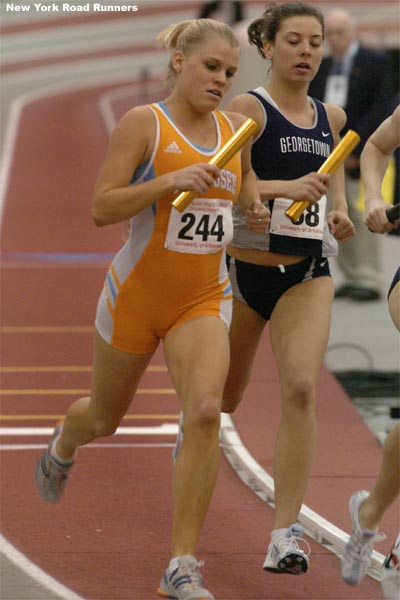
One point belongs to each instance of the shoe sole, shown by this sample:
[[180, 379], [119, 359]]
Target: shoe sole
[[349, 581], [164, 595], [293, 564]]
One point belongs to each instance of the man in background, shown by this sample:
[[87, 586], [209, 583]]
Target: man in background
[[357, 79], [227, 11]]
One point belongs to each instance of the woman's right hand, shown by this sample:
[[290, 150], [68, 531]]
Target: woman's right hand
[[310, 187], [375, 215], [199, 178]]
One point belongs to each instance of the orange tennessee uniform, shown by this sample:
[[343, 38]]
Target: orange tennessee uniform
[[172, 267]]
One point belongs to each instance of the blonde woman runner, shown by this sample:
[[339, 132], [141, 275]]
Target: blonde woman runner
[[169, 281]]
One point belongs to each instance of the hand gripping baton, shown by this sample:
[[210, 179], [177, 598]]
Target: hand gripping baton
[[393, 214], [334, 160], [223, 156]]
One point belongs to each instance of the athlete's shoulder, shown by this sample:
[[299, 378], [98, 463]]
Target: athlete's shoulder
[[336, 116], [249, 106], [236, 118], [137, 114], [387, 136], [136, 129]]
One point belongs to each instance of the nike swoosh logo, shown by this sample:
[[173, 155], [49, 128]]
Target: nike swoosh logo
[[325, 134]]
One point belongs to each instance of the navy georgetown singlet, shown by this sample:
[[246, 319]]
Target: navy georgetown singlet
[[285, 151]]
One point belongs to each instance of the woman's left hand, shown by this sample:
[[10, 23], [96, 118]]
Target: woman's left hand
[[258, 217], [340, 226]]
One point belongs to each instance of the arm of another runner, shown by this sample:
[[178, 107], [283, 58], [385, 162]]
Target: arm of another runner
[[338, 218], [375, 158], [310, 187], [257, 214]]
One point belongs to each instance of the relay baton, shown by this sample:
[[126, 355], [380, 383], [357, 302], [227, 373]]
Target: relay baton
[[223, 156], [393, 214], [334, 160]]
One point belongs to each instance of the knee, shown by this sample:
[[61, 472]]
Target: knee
[[104, 427], [204, 417], [300, 395]]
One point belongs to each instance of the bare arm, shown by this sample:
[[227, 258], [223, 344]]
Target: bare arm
[[337, 120], [375, 158], [310, 187], [338, 218], [115, 199], [249, 195], [258, 215]]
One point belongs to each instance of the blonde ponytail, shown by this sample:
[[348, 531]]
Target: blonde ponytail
[[186, 35]]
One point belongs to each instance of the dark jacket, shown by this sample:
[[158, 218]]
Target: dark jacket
[[208, 9], [369, 95]]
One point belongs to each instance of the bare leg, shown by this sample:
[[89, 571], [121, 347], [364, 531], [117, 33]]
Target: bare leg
[[116, 376], [244, 336], [197, 355], [299, 333], [387, 486]]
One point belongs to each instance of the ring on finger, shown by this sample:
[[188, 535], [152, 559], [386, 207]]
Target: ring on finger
[[259, 221]]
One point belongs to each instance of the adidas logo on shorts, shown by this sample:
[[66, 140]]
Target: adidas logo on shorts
[[173, 148]]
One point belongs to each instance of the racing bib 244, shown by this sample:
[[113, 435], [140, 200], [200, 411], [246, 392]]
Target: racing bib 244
[[204, 227]]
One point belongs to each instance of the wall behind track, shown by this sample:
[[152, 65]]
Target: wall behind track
[[379, 21]]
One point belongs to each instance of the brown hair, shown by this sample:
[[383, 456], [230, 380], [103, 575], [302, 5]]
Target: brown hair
[[266, 27]]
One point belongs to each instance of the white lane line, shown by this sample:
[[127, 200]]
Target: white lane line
[[34, 572], [9, 148], [107, 100], [261, 483], [164, 429], [70, 40], [12, 447], [68, 84], [108, 68]]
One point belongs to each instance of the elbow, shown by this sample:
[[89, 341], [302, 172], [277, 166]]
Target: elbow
[[100, 210], [98, 222], [98, 215]]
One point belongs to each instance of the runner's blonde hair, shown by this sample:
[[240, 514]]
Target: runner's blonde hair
[[187, 35]]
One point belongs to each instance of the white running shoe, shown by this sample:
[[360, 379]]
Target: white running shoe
[[358, 551], [179, 438], [183, 581], [51, 475], [390, 580], [284, 554]]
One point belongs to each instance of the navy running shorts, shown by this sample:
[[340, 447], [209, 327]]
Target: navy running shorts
[[396, 279], [261, 287]]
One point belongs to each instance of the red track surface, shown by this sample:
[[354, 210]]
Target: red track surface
[[109, 538]]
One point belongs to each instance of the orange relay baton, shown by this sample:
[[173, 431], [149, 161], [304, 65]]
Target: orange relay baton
[[223, 156], [334, 160]]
